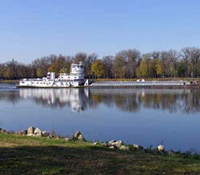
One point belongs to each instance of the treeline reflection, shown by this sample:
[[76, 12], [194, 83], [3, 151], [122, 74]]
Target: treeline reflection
[[129, 100], [133, 100]]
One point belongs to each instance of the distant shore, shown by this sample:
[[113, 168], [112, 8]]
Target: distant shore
[[9, 81], [147, 79]]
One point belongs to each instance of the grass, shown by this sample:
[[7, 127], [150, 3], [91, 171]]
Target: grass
[[9, 81], [32, 155]]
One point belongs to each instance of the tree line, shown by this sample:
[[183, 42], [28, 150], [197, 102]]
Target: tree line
[[125, 64]]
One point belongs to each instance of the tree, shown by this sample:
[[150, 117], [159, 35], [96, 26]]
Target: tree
[[88, 63], [191, 57], [39, 72], [10, 71], [144, 68], [108, 62], [119, 66], [125, 63], [2, 67], [58, 65], [138, 73], [133, 57], [158, 67], [98, 68], [182, 69]]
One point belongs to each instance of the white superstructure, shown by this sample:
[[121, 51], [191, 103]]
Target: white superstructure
[[74, 79]]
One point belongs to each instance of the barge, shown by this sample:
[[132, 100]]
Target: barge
[[149, 84]]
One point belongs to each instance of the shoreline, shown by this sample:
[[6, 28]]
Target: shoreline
[[56, 155], [9, 81], [42, 155], [112, 144]]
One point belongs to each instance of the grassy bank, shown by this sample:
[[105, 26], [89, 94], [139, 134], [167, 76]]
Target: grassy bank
[[9, 81], [34, 155], [148, 79]]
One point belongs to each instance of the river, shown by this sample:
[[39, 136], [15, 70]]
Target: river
[[140, 116]]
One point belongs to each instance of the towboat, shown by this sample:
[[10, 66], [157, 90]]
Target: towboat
[[74, 79]]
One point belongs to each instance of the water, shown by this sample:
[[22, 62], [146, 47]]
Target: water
[[140, 116]]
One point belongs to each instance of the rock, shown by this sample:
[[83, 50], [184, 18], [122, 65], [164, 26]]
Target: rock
[[45, 134], [30, 134], [161, 148], [125, 148], [37, 131], [38, 135], [57, 137], [30, 130], [67, 139], [78, 136], [111, 143], [4, 131], [137, 146], [171, 153], [115, 143], [105, 144], [95, 143], [50, 136], [118, 144], [111, 147], [22, 132]]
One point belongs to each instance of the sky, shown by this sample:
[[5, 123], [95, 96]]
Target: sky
[[37, 28]]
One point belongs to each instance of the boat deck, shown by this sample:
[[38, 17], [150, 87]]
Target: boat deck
[[135, 83]]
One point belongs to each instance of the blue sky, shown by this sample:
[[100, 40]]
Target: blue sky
[[32, 29]]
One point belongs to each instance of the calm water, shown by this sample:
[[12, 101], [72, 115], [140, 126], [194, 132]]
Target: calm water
[[140, 116]]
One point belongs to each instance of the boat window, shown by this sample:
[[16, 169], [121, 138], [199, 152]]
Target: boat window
[[81, 66]]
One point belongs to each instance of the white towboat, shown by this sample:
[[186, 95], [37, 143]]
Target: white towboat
[[74, 79]]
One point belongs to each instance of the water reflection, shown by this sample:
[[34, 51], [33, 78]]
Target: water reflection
[[131, 100], [10, 96], [54, 98]]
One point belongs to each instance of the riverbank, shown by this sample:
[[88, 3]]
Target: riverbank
[[9, 81], [22, 154], [147, 79]]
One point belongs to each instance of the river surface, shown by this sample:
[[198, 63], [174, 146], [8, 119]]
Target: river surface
[[140, 116]]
